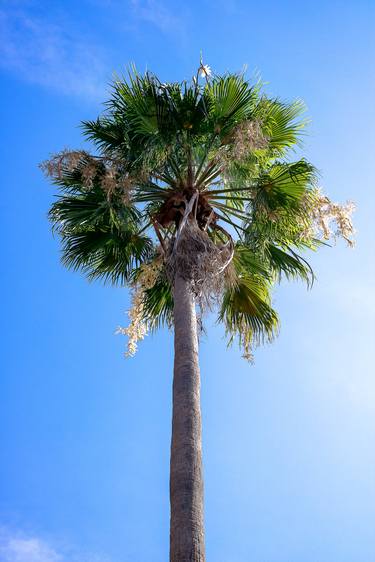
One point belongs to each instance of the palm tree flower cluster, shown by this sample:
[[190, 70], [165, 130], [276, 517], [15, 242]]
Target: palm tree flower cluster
[[191, 197], [137, 329]]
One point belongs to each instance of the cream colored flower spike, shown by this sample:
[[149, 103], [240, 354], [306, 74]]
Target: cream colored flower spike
[[205, 71]]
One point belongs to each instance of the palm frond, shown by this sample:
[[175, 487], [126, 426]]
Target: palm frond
[[106, 134], [230, 100], [290, 265], [107, 255], [282, 123], [248, 263], [247, 313], [100, 235], [283, 185], [158, 305]]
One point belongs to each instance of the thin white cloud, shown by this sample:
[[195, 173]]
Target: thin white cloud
[[15, 546], [14, 549], [157, 13], [46, 53]]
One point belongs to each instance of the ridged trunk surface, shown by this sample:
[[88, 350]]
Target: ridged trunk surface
[[186, 477]]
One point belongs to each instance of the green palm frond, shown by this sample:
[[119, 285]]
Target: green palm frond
[[91, 211], [144, 108], [289, 264], [246, 311], [100, 234], [230, 100], [106, 134], [248, 263], [107, 255], [282, 123], [158, 305], [283, 185]]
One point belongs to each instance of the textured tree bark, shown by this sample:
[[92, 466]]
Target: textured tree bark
[[186, 476]]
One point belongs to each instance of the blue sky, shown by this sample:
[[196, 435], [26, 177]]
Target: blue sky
[[289, 442]]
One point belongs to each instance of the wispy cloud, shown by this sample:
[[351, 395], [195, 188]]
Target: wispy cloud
[[49, 54], [27, 550], [17, 547], [159, 15]]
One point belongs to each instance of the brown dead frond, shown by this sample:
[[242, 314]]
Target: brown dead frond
[[194, 256]]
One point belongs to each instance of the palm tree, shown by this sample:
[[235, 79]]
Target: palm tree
[[191, 200]]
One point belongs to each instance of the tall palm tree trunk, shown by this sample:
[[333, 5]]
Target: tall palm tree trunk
[[186, 477]]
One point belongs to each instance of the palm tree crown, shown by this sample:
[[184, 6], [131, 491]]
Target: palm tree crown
[[194, 177]]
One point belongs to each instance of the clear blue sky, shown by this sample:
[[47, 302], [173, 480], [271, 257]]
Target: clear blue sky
[[288, 443]]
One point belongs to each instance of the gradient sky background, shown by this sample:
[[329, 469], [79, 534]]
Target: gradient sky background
[[288, 443]]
